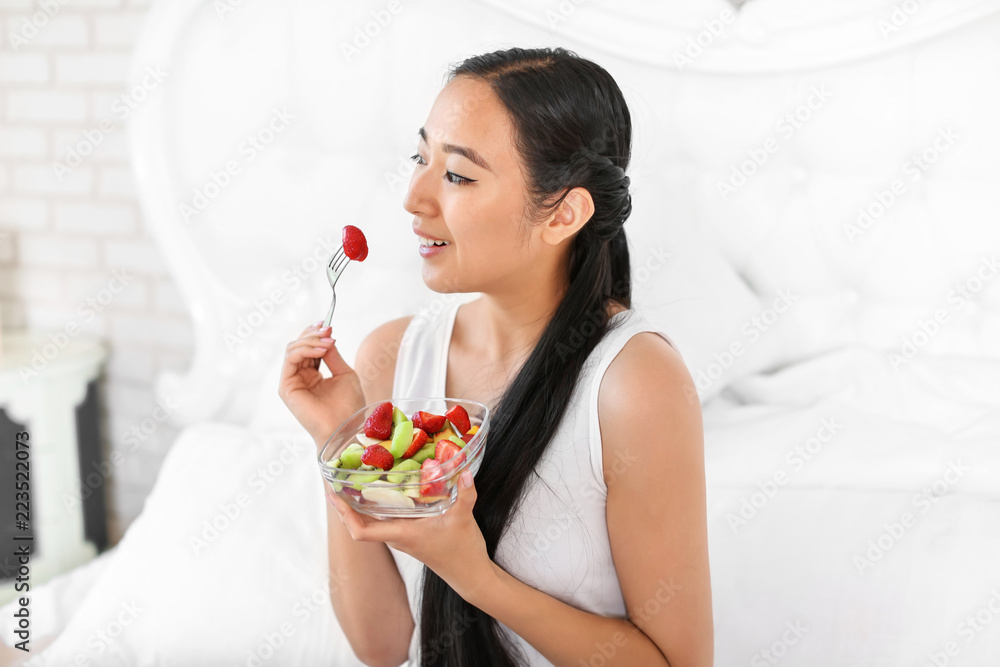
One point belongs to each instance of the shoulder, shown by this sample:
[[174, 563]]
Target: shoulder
[[646, 362], [375, 363], [647, 387]]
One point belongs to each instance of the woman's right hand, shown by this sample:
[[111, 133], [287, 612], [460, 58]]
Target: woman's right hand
[[320, 404]]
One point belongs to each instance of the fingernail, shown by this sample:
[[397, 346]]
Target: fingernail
[[316, 324], [326, 340], [466, 479], [320, 349]]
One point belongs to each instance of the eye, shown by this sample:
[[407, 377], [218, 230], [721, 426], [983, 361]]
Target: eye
[[455, 179], [449, 176]]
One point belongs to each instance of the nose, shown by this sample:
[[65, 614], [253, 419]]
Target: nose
[[420, 196]]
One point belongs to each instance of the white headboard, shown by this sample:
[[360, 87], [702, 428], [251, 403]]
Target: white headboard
[[335, 118]]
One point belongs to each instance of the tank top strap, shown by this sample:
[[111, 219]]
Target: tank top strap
[[422, 358]]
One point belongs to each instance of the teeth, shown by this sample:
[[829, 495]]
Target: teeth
[[428, 242]]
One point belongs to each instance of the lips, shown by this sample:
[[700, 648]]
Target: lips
[[421, 234], [431, 250]]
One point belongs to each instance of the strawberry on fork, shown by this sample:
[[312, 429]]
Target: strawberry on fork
[[354, 246]]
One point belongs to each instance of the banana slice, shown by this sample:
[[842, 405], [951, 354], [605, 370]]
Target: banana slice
[[387, 497], [365, 440]]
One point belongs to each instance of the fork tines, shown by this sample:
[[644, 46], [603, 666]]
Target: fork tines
[[339, 259]]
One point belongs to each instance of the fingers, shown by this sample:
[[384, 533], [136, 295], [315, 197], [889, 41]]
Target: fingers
[[335, 362], [467, 495], [296, 356], [312, 328], [313, 343], [364, 528], [318, 343], [315, 335], [299, 355], [322, 344]]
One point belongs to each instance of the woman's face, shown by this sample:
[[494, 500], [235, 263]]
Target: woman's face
[[468, 188]]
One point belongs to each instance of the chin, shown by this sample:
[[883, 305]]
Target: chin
[[440, 282]]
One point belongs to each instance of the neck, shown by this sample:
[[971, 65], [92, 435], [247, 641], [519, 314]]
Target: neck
[[507, 327], [505, 324]]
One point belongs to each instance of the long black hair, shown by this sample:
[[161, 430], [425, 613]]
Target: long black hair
[[572, 129]]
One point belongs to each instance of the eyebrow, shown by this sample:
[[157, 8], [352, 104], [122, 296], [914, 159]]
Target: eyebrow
[[467, 153]]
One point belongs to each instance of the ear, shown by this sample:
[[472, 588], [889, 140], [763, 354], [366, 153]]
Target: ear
[[569, 217]]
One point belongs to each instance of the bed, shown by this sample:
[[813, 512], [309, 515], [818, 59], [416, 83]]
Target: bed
[[816, 196]]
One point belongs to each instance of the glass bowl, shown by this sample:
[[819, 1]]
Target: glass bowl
[[415, 493]]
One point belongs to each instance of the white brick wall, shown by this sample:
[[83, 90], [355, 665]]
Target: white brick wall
[[63, 239], [46, 106], [18, 141], [27, 214], [38, 178], [96, 218], [24, 68], [67, 30]]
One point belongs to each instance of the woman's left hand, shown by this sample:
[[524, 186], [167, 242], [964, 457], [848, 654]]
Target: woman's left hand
[[451, 544]]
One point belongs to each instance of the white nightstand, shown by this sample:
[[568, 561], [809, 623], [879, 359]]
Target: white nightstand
[[46, 403]]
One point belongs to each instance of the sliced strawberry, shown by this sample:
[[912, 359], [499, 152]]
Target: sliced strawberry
[[449, 455], [379, 422], [430, 479], [459, 418], [355, 243], [378, 456], [419, 440], [427, 421]]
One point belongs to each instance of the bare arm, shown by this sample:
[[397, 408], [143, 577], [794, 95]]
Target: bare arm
[[366, 589], [657, 519], [371, 602]]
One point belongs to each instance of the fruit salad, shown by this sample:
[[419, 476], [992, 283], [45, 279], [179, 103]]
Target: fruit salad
[[400, 461]]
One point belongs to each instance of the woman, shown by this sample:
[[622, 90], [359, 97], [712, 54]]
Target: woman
[[583, 540]]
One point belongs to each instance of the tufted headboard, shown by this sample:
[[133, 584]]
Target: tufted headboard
[[806, 176]]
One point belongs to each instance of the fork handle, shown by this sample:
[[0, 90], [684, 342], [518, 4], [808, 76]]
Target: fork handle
[[326, 323]]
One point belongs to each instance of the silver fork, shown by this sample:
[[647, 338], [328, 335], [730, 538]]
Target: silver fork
[[338, 262]]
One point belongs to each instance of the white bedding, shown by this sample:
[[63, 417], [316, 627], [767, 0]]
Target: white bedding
[[910, 461], [188, 596], [887, 437]]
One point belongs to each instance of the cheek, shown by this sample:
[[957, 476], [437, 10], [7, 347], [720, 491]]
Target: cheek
[[497, 227]]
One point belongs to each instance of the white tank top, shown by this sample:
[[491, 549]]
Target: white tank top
[[558, 539]]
